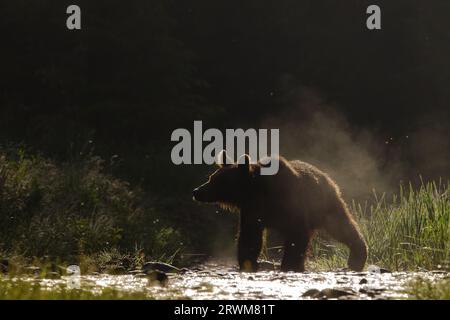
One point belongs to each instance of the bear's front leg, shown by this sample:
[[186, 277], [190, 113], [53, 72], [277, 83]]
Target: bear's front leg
[[249, 243]]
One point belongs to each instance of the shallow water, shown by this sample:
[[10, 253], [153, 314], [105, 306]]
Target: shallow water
[[222, 281]]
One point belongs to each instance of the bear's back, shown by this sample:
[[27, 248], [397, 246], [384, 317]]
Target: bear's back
[[304, 179], [308, 171], [304, 168]]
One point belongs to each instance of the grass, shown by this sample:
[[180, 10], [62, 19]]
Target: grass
[[407, 232], [424, 289], [23, 290]]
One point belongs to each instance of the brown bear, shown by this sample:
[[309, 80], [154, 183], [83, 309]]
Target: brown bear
[[296, 201]]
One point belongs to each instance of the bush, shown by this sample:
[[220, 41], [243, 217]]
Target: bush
[[74, 208]]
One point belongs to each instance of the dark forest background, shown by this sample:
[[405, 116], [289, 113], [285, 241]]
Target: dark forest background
[[370, 107]]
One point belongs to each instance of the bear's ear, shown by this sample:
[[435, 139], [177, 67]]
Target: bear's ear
[[244, 163], [222, 159]]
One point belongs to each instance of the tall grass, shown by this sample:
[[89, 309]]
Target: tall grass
[[408, 231]]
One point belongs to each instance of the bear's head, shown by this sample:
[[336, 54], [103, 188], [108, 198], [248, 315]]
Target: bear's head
[[229, 185]]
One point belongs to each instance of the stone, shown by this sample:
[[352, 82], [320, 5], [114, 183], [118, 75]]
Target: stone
[[157, 276], [363, 281], [328, 293], [311, 293]]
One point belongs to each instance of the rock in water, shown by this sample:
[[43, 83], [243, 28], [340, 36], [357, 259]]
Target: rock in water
[[334, 293], [159, 266], [157, 276], [311, 293], [327, 293]]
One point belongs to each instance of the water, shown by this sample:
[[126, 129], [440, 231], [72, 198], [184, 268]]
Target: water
[[223, 281]]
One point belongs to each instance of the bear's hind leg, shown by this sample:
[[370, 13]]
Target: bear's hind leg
[[295, 253], [344, 229]]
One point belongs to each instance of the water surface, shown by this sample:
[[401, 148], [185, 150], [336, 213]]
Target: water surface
[[224, 281]]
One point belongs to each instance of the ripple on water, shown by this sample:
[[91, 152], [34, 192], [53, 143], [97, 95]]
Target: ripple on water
[[215, 281]]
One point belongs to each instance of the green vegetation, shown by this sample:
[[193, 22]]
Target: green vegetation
[[56, 214], [23, 290], [409, 232], [76, 213], [71, 211], [424, 289]]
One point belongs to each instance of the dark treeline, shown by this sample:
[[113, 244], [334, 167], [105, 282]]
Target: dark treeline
[[137, 70]]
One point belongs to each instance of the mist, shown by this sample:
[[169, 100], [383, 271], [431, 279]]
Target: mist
[[359, 159]]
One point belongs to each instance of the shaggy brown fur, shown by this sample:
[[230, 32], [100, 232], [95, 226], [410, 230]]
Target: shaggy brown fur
[[297, 201]]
